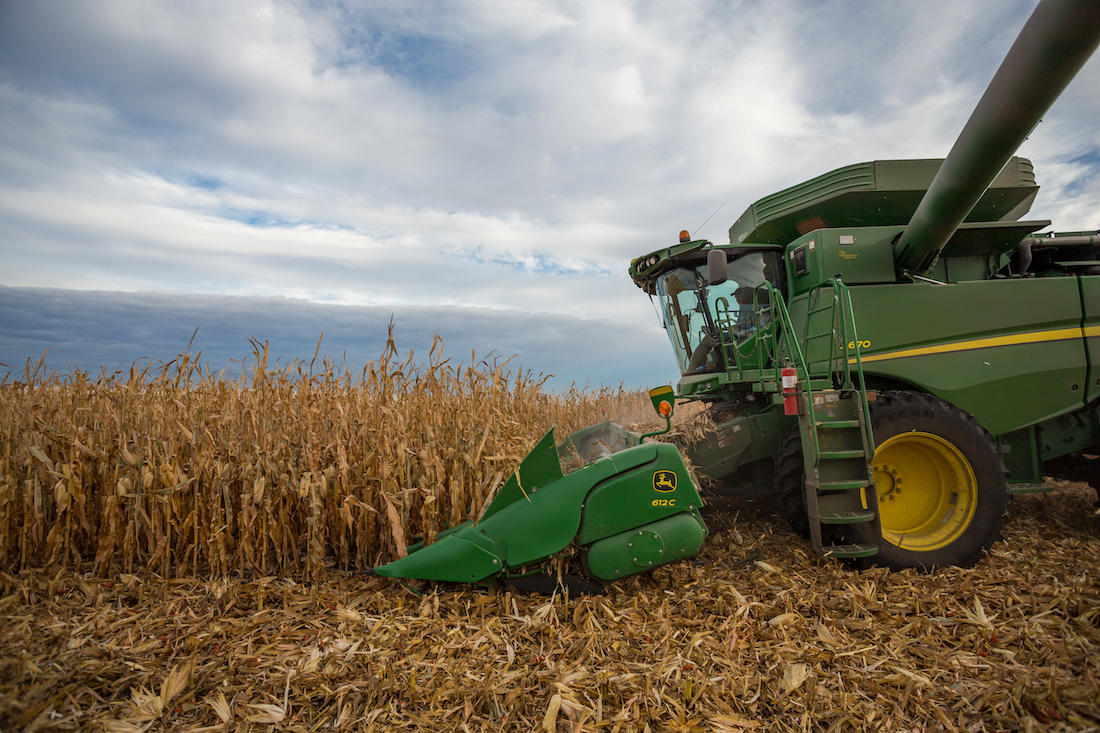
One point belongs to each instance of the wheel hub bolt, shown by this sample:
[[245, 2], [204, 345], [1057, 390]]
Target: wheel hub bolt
[[888, 477]]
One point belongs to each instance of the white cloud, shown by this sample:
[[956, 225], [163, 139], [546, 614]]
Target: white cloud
[[512, 155]]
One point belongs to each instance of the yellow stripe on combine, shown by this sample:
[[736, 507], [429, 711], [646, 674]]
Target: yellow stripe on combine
[[1035, 337]]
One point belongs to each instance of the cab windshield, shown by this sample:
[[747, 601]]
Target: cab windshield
[[696, 314]]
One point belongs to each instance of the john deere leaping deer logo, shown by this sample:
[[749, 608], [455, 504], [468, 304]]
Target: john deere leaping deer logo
[[664, 481]]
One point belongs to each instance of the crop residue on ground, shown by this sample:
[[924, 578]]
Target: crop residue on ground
[[791, 642]]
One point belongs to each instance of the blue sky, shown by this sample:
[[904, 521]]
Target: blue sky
[[485, 170]]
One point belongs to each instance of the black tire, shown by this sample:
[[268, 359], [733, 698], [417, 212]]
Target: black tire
[[941, 482], [790, 478], [790, 482]]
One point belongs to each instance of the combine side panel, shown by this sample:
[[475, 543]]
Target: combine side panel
[[636, 498], [738, 442], [644, 548], [1008, 352], [1090, 298]]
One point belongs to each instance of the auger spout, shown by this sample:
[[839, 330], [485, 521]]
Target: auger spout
[[1054, 44]]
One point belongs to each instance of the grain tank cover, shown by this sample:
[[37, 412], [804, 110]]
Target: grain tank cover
[[877, 193]]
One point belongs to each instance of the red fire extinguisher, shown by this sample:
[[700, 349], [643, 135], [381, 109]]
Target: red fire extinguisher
[[790, 388]]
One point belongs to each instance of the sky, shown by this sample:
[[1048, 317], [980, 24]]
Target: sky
[[484, 171]]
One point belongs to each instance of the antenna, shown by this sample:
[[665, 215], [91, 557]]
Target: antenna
[[708, 219]]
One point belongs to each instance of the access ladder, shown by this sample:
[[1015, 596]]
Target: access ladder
[[834, 417], [834, 423]]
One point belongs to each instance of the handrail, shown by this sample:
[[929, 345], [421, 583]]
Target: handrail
[[844, 326], [778, 305], [850, 312], [761, 348]]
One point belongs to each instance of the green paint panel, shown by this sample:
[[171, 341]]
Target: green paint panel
[[1090, 297], [542, 466], [983, 239], [646, 547], [859, 255], [533, 530], [452, 559], [1005, 387], [649, 493], [878, 193]]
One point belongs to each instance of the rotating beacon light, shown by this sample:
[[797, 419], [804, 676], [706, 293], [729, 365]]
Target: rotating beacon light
[[790, 388]]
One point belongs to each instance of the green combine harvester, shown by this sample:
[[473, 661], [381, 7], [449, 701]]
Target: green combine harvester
[[887, 347]]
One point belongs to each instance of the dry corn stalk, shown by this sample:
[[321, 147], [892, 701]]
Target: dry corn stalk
[[279, 471]]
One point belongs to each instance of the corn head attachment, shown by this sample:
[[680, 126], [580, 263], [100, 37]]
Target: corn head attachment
[[631, 507]]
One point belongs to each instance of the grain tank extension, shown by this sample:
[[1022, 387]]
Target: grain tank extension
[[939, 354]]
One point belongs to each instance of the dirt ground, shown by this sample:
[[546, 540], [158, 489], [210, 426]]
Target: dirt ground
[[719, 643]]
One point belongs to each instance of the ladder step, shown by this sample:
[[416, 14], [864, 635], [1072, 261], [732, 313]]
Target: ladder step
[[837, 454], [850, 551], [830, 424], [1015, 489], [844, 485], [848, 517]]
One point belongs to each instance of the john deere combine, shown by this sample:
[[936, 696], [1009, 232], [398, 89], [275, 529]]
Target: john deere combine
[[888, 347], [937, 355]]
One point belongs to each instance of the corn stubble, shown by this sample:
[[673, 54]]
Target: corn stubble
[[282, 471], [790, 643]]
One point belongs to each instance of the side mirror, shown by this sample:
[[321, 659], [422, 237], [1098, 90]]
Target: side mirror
[[717, 272]]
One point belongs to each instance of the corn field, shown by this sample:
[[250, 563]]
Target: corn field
[[280, 471], [155, 526]]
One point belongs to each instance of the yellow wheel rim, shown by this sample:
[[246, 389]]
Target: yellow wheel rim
[[927, 493]]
